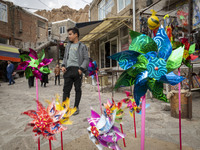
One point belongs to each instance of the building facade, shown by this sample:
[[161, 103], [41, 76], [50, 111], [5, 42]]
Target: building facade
[[21, 28], [118, 15], [57, 32]]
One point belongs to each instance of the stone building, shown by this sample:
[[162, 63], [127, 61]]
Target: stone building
[[21, 28], [57, 32]]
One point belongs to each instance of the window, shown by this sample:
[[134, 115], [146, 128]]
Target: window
[[20, 26], [3, 12], [41, 24], [122, 4], [62, 30], [49, 32], [124, 38], [3, 40], [104, 8], [101, 10]]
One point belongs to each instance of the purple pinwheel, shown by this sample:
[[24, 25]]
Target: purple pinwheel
[[102, 131], [34, 64], [148, 64]]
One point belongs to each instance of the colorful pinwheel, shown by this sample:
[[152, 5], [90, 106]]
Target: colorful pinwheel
[[46, 122], [148, 64], [131, 104], [110, 107], [102, 131], [34, 64], [188, 52], [92, 68], [57, 106]]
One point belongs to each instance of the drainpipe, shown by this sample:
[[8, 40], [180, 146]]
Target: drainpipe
[[133, 15]]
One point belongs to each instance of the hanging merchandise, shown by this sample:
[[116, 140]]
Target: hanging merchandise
[[182, 15], [196, 18], [168, 27], [153, 22]]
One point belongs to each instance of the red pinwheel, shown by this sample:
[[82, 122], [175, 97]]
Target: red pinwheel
[[44, 123]]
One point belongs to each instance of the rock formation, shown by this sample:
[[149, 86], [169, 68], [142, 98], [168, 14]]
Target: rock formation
[[66, 12]]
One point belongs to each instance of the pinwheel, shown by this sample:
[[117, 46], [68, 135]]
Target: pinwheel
[[46, 121], [110, 107], [102, 131], [92, 68], [148, 64], [131, 104], [188, 52], [34, 63], [58, 106]]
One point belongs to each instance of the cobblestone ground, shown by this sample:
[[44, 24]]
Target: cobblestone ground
[[17, 98]]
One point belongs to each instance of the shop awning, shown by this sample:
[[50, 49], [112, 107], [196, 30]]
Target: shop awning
[[87, 27], [8, 52], [107, 26], [163, 7]]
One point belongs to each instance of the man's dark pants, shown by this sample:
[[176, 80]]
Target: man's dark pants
[[71, 77], [57, 77]]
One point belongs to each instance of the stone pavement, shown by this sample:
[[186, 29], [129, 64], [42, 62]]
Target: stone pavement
[[18, 98]]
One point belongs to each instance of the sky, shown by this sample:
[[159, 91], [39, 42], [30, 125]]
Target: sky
[[50, 4]]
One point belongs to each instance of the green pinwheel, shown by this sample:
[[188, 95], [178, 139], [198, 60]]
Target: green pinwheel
[[148, 64], [34, 64]]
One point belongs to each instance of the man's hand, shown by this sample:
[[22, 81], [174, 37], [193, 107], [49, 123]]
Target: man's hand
[[79, 71], [63, 69]]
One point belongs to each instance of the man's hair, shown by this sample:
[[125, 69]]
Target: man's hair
[[74, 30]]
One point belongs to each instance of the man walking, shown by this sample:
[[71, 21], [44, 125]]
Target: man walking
[[75, 62], [10, 70]]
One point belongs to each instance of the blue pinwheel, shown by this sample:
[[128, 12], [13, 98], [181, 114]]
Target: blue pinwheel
[[148, 64]]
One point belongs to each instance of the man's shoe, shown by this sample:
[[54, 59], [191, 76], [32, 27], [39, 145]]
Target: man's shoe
[[76, 112]]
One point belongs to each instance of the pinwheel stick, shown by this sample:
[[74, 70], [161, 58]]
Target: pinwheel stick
[[122, 133], [50, 144], [37, 98], [99, 93], [143, 123], [134, 124], [179, 97], [38, 143], [61, 141]]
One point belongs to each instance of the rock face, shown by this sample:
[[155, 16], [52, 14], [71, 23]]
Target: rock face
[[66, 12]]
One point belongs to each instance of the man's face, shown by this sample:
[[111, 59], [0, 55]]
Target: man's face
[[72, 36], [9, 62]]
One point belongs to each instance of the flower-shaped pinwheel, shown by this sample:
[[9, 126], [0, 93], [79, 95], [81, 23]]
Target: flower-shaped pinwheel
[[57, 106], [131, 104], [34, 64], [188, 52], [149, 63], [46, 122], [102, 131], [110, 107], [92, 68]]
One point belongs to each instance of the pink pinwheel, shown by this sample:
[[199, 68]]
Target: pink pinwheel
[[102, 131], [34, 64], [131, 104], [46, 122]]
